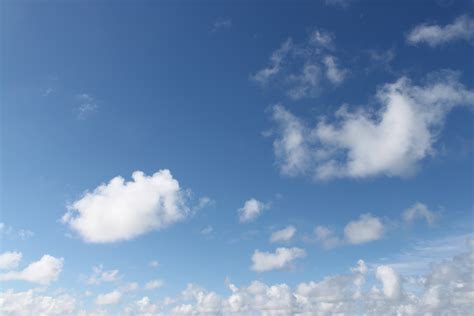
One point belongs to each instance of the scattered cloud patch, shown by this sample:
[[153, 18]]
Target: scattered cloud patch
[[333, 72], [110, 298], [154, 263], [123, 210], [281, 258], [43, 271], [391, 140], [10, 260], [87, 105], [154, 284], [252, 209], [285, 234], [365, 229], [434, 35], [326, 237], [99, 275], [419, 211], [12, 233], [207, 230], [276, 62], [222, 24]]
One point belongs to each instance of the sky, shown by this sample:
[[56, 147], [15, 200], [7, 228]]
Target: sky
[[237, 157]]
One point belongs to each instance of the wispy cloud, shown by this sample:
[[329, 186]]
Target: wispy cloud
[[87, 104], [221, 24]]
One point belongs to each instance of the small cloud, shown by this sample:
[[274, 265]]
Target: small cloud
[[420, 211], [154, 263], [99, 275], [12, 233], [281, 258], [87, 104], [252, 209], [284, 234], [207, 230], [154, 284], [221, 24]]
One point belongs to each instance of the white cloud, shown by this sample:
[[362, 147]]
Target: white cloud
[[326, 237], [87, 105], [30, 303], [281, 258], [333, 72], [109, 298], [298, 67], [340, 3], [10, 232], [221, 24], [419, 211], [276, 62], [367, 228], [99, 275], [123, 210], [462, 28], [43, 271], [207, 230], [154, 284], [10, 260], [390, 281], [251, 210], [284, 234], [154, 263], [365, 143]]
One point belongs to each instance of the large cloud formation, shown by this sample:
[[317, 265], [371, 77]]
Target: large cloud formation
[[389, 141], [123, 210]]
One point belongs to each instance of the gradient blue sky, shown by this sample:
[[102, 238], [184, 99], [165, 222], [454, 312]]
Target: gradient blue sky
[[91, 90]]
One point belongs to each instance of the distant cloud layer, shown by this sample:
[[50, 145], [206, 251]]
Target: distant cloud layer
[[433, 35], [121, 210], [388, 141]]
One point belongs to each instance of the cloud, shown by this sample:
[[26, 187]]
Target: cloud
[[87, 104], [390, 281], [109, 298], [283, 257], [207, 230], [276, 62], [433, 35], [445, 289], [326, 237], [154, 284], [284, 234], [221, 24], [43, 271], [10, 260], [30, 303], [123, 210], [367, 228], [154, 263], [298, 67], [419, 211], [10, 232], [390, 141], [333, 72], [99, 275], [251, 210], [339, 3]]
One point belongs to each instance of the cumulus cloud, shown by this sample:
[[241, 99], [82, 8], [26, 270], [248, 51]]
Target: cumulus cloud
[[281, 258], [43, 271], [419, 211], [462, 28], [122, 210], [391, 140], [10, 260], [299, 67], [99, 275], [365, 229], [390, 281], [31, 303], [284, 234], [154, 284], [252, 209], [109, 298]]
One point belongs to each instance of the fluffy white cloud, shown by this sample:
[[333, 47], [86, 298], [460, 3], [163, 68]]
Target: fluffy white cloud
[[251, 210], [123, 210], [10, 259], [31, 303], [419, 211], [298, 67], [109, 298], [284, 234], [333, 72], [390, 141], [462, 28], [99, 275], [281, 258], [43, 271], [390, 281], [154, 284], [365, 229]]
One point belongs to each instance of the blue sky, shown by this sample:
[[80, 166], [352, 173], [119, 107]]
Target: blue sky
[[279, 144]]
